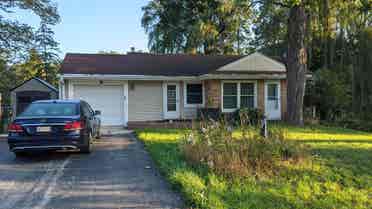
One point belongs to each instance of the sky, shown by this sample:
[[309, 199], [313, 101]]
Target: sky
[[89, 26]]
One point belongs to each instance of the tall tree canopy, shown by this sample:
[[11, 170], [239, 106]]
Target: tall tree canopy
[[197, 26], [327, 37], [26, 52], [16, 36]]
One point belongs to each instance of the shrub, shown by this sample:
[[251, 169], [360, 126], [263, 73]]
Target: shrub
[[213, 143], [208, 113], [246, 116]]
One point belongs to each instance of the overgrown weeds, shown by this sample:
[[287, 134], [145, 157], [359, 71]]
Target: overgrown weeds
[[213, 143]]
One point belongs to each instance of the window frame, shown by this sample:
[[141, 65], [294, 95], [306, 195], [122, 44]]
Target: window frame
[[238, 82], [185, 83]]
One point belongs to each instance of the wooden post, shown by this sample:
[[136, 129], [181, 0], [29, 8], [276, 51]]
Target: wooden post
[[264, 127]]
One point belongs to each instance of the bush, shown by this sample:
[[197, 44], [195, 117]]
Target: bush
[[247, 116], [356, 124], [215, 145], [208, 113]]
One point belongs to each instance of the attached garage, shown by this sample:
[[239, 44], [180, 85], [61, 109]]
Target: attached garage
[[110, 99], [145, 101]]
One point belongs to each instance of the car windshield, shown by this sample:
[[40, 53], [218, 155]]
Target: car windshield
[[50, 109]]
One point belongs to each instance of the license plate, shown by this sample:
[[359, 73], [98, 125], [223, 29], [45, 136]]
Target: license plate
[[43, 129]]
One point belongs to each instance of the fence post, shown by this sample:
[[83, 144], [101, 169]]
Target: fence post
[[264, 127]]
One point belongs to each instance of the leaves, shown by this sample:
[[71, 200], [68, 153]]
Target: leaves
[[210, 27], [16, 38]]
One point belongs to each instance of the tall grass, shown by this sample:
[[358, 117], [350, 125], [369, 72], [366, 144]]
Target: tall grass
[[213, 144]]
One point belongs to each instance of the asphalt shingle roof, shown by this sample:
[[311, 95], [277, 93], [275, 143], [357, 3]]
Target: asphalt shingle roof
[[145, 64]]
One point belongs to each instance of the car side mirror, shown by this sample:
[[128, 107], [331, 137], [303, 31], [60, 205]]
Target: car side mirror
[[97, 112]]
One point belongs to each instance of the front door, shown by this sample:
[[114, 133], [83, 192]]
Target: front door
[[272, 100], [171, 100]]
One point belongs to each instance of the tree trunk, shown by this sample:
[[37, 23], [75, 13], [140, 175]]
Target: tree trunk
[[296, 64]]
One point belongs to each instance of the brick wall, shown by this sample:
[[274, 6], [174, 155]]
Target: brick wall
[[261, 95], [213, 93]]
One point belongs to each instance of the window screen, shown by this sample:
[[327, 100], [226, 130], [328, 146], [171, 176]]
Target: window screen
[[247, 95], [230, 95]]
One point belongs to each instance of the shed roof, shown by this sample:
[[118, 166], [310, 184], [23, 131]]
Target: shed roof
[[41, 81]]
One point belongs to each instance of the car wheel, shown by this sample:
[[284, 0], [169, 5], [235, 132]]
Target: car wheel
[[86, 148], [98, 136]]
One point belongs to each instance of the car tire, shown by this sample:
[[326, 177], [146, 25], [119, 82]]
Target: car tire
[[98, 136], [85, 149]]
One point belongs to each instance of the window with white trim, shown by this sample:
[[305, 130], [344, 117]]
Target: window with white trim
[[194, 93], [247, 95], [230, 95], [238, 95]]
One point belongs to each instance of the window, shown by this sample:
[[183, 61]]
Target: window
[[273, 95], [238, 95], [85, 109], [194, 93], [230, 95], [247, 95], [50, 109], [172, 98]]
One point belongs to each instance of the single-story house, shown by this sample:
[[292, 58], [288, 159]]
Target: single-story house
[[140, 87], [31, 90]]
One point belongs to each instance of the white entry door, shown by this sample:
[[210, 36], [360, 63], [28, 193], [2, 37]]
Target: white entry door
[[272, 100], [171, 100]]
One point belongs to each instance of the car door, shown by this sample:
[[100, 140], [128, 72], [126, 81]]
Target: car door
[[96, 121], [89, 116]]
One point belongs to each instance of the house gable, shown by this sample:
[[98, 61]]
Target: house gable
[[254, 63]]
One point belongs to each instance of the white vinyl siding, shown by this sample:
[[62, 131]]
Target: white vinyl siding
[[145, 101]]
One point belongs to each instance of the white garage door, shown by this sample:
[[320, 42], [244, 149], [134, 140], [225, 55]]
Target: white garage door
[[108, 99]]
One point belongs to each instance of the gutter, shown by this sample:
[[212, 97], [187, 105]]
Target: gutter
[[127, 77], [172, 78]]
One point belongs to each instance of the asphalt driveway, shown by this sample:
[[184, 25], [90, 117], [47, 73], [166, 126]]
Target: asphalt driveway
[[117, 174]]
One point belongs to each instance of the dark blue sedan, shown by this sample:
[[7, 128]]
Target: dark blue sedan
[[54, 125]]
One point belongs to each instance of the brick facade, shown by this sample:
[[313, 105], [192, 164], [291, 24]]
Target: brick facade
[[261, 95], [283, 98], [212, 93]]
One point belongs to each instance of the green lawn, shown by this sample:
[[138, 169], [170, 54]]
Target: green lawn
[[339, 177]]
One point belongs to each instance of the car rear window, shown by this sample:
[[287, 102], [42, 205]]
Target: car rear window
[[50, 109]]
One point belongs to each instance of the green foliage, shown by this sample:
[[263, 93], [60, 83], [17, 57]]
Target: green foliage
[[335, 84], [47, 49], [339, 177], [248, 116], [25, 53], [210, 27], [35, 66], [363, 84], [16, 37], [213, 144]]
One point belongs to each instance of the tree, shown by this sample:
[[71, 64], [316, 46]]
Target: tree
[[197, 26], [363, 85], [296, 63], [16, 37], [47, 48], [321, 36]]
